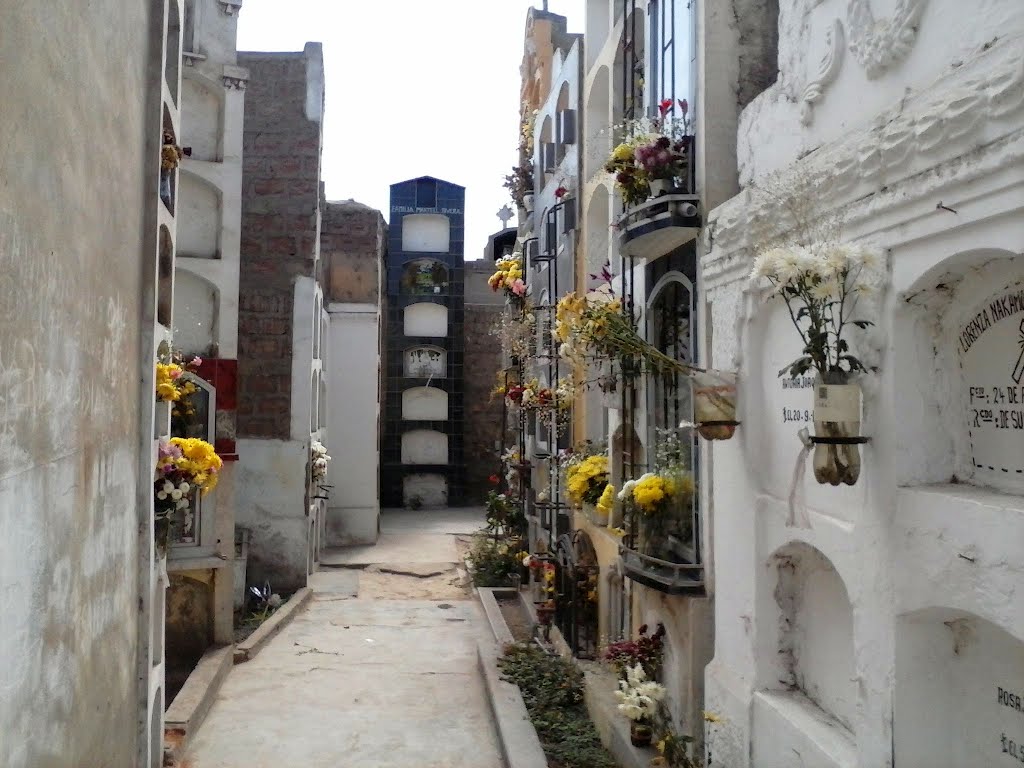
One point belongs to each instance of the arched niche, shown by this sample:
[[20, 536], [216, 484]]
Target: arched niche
[[172, 63], [959, 691], [598, 232], [195, 313], [598, 124], [201, 119], [428, 489], [957, 333], [629, 95], [626, 461], [424, 277], [200, 218], [546, 137], [669, 327], [425, 404], [165, 278], [424, 446], [805, 631], [426, 233], [425, 362], [425, 319], [597, 24]]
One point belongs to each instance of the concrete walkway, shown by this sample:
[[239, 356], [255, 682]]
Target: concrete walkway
[[357, 682]]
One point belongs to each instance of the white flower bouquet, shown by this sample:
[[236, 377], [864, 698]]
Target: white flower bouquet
[[319, 460], [639, 697]]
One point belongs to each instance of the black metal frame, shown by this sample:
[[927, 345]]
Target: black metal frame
[[577, 574]]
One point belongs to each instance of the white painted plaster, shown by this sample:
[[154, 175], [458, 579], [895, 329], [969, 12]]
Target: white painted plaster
[[195, 308], [200, 206], [425, 319], [431, 489], [941, 121], [201, 119], [425, 404], [424, 446], [270, 497], [353, 362], [425, 233]]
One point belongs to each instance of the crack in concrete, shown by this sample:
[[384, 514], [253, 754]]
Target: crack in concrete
[[418, 575], [314, 649]]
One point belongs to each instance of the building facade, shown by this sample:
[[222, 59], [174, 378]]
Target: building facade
[[282, 381], [352, 244], [83, 585], [200, 597], [482, 425], [878, 623], [422, 444]]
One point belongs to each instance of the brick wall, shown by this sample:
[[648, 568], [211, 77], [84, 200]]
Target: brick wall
[[280, 213], [352, 237], [482, 361]]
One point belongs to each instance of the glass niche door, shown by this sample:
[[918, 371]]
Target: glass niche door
[[192, 528]]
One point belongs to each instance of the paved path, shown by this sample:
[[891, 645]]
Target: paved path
[[355, 682]]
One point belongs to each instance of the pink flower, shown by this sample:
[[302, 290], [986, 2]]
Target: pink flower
[[519, 287], [560, 192], [666, 106], [174, 373], [196, 361]]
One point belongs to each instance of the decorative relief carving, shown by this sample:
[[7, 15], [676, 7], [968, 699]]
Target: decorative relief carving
[[877, 45], [879, 156], [828, 68]]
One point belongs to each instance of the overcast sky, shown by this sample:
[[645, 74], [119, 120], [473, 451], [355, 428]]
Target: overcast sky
[[414, 88]]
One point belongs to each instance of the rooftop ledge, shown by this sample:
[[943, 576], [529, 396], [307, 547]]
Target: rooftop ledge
[[658, 226]]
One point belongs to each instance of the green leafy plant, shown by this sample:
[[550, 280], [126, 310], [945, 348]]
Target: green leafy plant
[[552, 689], [493, 563], [505, 515]]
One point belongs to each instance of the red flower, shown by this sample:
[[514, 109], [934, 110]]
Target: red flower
[[665, 106], [561, 192], [684, 106], [493, 480]]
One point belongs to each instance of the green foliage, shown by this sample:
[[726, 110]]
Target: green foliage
[[552, 690], [493, 563], [504, 515]]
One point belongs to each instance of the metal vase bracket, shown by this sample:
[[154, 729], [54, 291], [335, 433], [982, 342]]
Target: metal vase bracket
[[837, 407]]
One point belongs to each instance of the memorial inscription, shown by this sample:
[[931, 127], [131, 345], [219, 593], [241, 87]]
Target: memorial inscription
[[991, 349]]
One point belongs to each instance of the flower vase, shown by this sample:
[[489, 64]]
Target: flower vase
[[528, 203], [714, 404], [595, 514], [608, 384], [640, 733], [652, 535], [165, 188], [836, 418], [658, 187]]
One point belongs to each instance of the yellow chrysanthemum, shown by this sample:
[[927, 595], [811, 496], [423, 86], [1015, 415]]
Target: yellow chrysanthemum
[[622, 152]]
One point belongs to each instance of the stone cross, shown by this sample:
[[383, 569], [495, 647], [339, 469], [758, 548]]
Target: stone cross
[[505, 214]]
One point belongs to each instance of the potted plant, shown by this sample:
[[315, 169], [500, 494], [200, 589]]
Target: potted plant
[[318, 460], [654, 158], [586, 478], [646, 650], [638, 698], [184, 467], [508, 277], [519, 183], [821, 284]]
